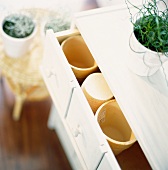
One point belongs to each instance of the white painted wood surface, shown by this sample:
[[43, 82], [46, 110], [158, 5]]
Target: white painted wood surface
[[143, 100]]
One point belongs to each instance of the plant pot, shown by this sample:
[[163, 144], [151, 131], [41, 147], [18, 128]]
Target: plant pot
[[57, 23], [16, 47], [79, 57], [143, 61], [115, 127], [96, 90]]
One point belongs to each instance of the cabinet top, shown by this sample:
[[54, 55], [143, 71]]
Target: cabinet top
[[143, 100]]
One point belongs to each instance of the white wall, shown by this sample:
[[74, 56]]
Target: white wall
[[69, 5]]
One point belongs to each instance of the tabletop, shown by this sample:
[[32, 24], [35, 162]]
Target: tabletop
[[143, 100]]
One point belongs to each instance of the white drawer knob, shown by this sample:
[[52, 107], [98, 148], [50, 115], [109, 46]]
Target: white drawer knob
[[50, 72], [77, 131], [54, 71]]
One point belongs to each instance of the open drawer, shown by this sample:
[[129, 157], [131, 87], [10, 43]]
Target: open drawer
[[73, 107]]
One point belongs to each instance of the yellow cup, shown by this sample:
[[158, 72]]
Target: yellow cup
[[79, 57], [115, 127], [96, 90]]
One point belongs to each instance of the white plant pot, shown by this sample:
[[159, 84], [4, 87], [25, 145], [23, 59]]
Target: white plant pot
[[16, 47], [141, 60]]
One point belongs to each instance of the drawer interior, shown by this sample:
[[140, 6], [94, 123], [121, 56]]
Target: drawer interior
[[133, 158]]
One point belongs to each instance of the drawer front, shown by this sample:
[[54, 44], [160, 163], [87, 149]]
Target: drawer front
[[57, 73], [83, 127], [70, 102]]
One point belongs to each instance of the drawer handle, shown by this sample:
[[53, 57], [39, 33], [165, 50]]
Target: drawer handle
[[51, 72], [77, 131]]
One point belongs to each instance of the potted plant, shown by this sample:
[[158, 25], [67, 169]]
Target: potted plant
[[149, 38], [17, 31], [56, 23]]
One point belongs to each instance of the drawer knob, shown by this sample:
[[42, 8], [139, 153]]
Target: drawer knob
[[77, 131], [54, 71], [51, 72]]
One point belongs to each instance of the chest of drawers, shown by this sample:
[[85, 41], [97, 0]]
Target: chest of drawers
[[143, 100]]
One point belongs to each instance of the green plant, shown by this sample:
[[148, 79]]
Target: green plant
[[151, 25], [57, 24], [18, 25]]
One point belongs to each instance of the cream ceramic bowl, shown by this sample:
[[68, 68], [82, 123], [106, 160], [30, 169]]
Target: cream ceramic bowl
[[79, 57], [96, 90], [115, 127]]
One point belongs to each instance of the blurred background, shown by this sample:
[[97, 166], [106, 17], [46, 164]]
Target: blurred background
[[28, 144]]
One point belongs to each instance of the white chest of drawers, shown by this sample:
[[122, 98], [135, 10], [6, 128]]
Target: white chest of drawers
[[144, 101]]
